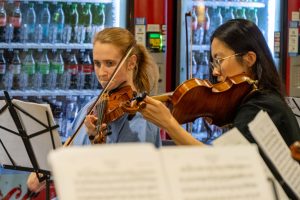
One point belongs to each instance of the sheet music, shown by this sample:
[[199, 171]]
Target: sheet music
[[294, 104], [235, 137], [215, 173], [41, 144], [269, 139], [118, 172]]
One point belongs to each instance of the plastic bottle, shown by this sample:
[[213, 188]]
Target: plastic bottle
[[206, 26], [98, 18], [58, 20], [58, 116], [16, 21], [194, 19], [87, 22], [241, 13], [228, 14], [72, 69], [194, 65], [70, 114], [87, 70], [57, 65], [204, 66], [43, 68], [15, 67], [252, 16], [2, 71], [28, 66], [73, 22], [45, 22], [3, 19], [30, 21]]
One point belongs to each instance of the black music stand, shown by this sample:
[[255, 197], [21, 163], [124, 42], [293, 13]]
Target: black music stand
[[24, 138]]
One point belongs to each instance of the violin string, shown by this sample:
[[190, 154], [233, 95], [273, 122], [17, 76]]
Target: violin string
[[70, 140]]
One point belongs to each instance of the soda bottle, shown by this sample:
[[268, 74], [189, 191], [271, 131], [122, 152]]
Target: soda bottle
[[2, 71], [98, 18], [45, 22], [87, 69], [57, 66], [87, 23], [204, 66], [15, 67], [73, 22], [228, 14], [72, 69], [16, 21], [252, 16], [194, 19], [58, 116], [28, 66], [43, 68], [240, 13], [71, 112], [206, 26], [58, 20], [2, 22], [194, 65], [30, 21], [102, 15]]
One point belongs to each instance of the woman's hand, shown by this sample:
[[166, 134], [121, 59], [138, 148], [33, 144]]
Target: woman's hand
[[157, 113], [90, 124], [33, 183]]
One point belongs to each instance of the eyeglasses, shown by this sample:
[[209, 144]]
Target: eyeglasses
[[216, 63]]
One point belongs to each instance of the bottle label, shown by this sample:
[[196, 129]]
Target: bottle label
[[73, 69], [87, 69], [58, 68], [2, 21], [44, 68], [16, 21], [15, 68], [2, 68], [29, 68]]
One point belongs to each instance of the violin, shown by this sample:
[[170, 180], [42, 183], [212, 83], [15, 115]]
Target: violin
[[103, 92], [109, 110], [196, 98], [295, 150]]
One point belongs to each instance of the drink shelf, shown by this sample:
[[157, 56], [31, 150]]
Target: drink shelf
[[45, 46], [228, 4], [52, 92], [201, 48], [67, 1]]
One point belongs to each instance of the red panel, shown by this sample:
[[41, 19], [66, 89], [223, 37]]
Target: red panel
[[152, 10], [293, 5]]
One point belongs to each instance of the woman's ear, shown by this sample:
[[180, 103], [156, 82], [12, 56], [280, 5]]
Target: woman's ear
[[250, 58], [132, 61]]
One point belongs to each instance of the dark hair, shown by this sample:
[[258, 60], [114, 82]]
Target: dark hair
[[243, 36]]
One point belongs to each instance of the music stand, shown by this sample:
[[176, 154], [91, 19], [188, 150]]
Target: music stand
[[27, 138]]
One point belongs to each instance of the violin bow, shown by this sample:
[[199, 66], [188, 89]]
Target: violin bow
[[103, 91]]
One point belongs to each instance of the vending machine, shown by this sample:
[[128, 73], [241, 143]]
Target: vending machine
[[197, 20], [46, 57]]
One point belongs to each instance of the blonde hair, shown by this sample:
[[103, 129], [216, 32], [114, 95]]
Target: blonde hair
[[145, 75]]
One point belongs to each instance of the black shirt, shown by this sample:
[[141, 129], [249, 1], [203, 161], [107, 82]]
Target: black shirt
[[281, 115]]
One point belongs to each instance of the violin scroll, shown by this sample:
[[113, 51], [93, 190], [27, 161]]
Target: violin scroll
[[295, 150]]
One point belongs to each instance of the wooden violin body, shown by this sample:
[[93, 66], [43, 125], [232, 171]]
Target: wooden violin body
[[218, 102], [199, 98], [109, 110]]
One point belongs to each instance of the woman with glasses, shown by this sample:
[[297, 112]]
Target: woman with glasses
[[238, 47]]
